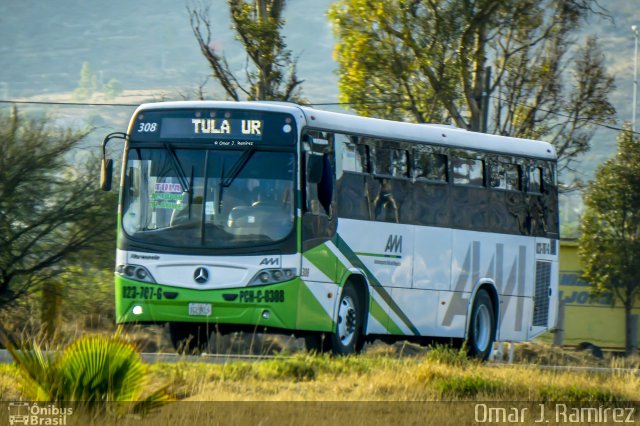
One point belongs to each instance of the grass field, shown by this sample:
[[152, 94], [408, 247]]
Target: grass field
[[441, 374], [440, 386]]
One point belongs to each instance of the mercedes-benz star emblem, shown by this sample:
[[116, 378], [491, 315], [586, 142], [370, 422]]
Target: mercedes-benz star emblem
[[201, 275]]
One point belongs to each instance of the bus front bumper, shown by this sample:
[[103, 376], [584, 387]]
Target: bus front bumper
[[287, 305]]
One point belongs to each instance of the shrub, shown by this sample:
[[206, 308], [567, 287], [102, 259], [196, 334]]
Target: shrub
[[469, 387], [90, 372], [296, 369], [444, 354], [575, 393]]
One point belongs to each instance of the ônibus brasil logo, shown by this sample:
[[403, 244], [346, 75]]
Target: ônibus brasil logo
[[24, 413]]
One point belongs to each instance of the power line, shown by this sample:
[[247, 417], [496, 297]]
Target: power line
[[559, 114], [6, 101], [10, 101]]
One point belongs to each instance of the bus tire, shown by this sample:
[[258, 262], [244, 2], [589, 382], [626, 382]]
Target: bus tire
[[189, 338], [344, 340], [482, 327]]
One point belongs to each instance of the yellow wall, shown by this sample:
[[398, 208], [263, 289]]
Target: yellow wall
[[587, 319]]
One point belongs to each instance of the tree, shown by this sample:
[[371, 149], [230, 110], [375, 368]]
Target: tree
[[272, 73], [610, 229], [113, 88], [448, 60], [88, 83], [51, 214]]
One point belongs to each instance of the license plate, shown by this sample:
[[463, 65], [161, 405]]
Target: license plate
[[200, 309]]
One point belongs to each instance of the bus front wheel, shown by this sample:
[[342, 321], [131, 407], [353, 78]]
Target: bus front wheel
[[346, 336], [482, 327]]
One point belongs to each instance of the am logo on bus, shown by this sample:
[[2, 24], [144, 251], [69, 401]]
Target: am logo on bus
[[394, 244]]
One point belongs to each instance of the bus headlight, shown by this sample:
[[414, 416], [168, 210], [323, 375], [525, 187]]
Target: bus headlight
[[270, 276], [141, 273], [135, 272], [264, 277]]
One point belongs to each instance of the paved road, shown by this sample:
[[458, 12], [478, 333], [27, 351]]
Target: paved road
[[5, 358], [604, 370]]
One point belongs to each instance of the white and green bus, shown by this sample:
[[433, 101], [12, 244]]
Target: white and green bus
[[341, 229]]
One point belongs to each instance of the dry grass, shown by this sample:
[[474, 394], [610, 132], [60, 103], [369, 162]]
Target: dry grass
[[399, 372], [381, 377], [540, 353], [238, 390], [9, 390]]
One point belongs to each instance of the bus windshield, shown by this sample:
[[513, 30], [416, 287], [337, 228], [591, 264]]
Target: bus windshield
[[208, 198]]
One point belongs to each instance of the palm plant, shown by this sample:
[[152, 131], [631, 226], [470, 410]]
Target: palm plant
[[91, 372]]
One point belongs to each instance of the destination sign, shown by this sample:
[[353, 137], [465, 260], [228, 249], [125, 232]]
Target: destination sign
[[228, 128], [208, 127]]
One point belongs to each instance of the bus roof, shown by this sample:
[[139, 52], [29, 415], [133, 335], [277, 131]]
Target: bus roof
[[440, 134]]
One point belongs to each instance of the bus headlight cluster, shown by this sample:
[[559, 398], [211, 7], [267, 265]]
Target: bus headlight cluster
[[269, 276], [135, 272]]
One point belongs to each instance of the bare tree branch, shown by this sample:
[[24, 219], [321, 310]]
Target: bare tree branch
[[270, 70]]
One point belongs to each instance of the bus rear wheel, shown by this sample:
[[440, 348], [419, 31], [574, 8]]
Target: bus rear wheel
[[189, 338], [482, 327], [347, 335]]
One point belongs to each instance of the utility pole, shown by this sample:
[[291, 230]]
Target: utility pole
[[484, 123], [634, 28]]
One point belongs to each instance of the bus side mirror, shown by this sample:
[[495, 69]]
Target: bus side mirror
[[106, 174], [315, 166], [106, 171]]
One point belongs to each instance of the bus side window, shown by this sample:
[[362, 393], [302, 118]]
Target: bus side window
[[390, 162], [548, 177], [362, 159], [431, 166], [468, 171], [325, 187], [535, 180], [505, 176], [496, 175], [347, 158], [319, 196], [513, 177]]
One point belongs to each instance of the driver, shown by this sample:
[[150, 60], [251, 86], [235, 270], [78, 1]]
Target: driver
[[264, 193]]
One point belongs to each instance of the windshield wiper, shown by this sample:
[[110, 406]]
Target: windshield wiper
[[219, 203], [203, 218], [182, 177], [238, 166]]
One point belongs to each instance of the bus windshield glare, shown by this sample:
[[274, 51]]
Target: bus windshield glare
[[208, 198]]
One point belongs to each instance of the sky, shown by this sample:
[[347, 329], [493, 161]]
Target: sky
[[148, 46]]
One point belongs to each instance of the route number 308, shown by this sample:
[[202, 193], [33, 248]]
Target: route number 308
[[147, 127]]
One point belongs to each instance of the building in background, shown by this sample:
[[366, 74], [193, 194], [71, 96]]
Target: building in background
[[583, 319]]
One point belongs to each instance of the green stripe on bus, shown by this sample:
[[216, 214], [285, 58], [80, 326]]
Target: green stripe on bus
[[389, 256], [318, 257], [375, 284], [322, 258], [342, 270], [383, 318], [311, 314], [327, 262]]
